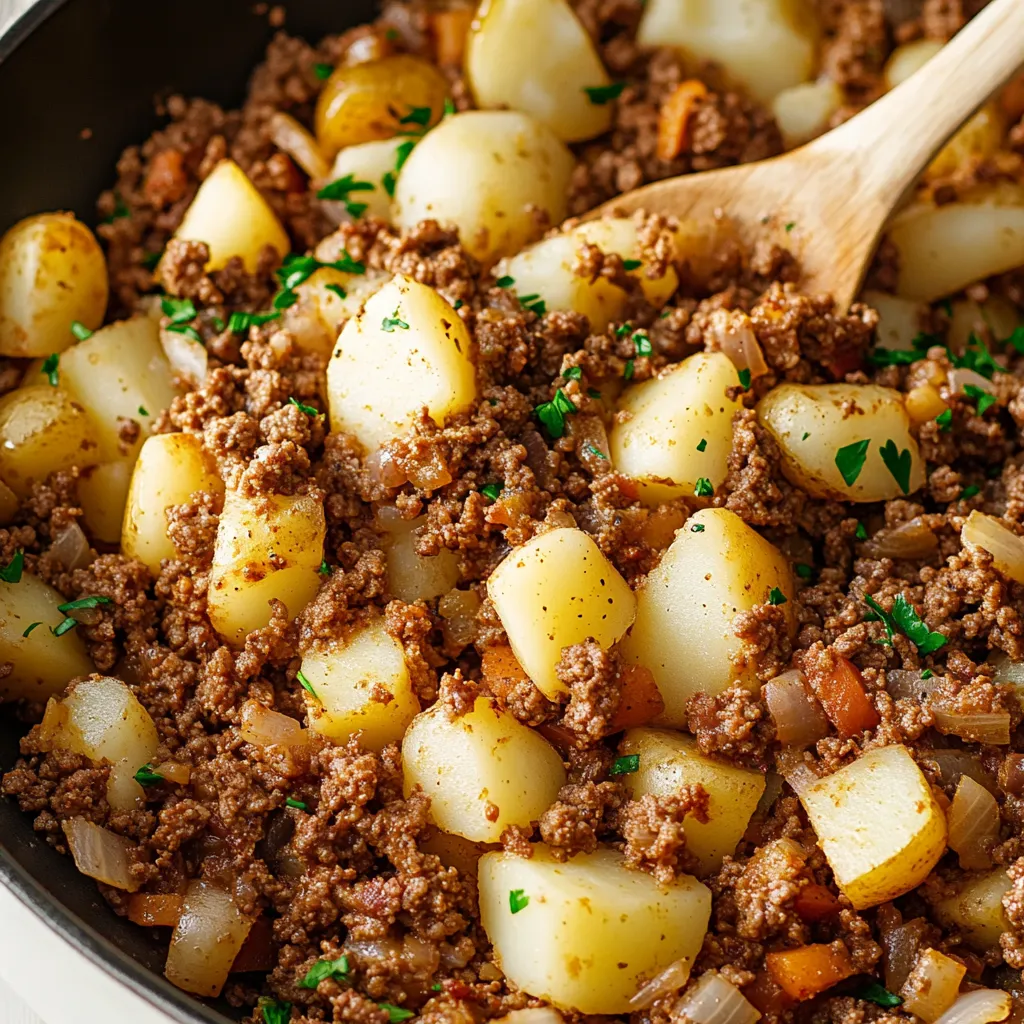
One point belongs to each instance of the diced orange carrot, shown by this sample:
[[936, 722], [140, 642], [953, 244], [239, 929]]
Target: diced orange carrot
[[641, 700], [450, 30], [815, 903], [502, 671], [674, 117], [154, 909], [767, 996], [845, 701], [166, 180], [804, 972], [257, 952]]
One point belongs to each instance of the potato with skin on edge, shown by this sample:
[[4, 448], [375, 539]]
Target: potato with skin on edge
[[556, 590], [716, 567], [52, 273], [268, 547], [873, 864], [412, 577], [669, 760], [814, 423], [483, 770], [233, 219], [103, 495], [587, 933], [535, 56], [976, 908], [679, 428], [488, 173], [408, 349], [361, 685]]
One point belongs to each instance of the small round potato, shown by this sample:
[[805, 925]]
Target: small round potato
[[52, 273]]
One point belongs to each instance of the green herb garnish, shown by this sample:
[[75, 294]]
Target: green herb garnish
[[146, 776], [945, 419], [151, 260], [597, 451], [120, 209], [93, 601], [418, 116], [850, 460], [49, 367], [323, 71], [80, 331], [969, 491], [643, 343], [627, 372], [744, 376], [599, 95], [702, 445], [898, 463], [983, 399], [143, 411], [776, 597], [517, 900], [309, 410], [188, 330], [389, 323], [274, 1012], [324, 969], [491, 491], [339, 190], [534, 303], [325, 569], [305, 683], [239, 323], [703, 488], [64, 627], [875, 993], [552, 414], [11, 572], [337, 290], [861, 532], [905, 619], [632, 264], [790, 226], [803, 570], [573, 373], [179, 311], [505, 281], [697, 528], [30, 628], [927, 674], [297, 804], [396, 1014], [625, 765]]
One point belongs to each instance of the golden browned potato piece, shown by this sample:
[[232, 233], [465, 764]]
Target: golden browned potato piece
[[370, 101], [52, 273]]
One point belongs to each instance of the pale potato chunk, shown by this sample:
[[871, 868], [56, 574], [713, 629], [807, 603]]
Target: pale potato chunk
[[593, 930], [899, 319], [42, 664], [408, 349], [546, 269], [908, 59], [803, 111], [483, 771], [42, 430], [233, 219], [679, 428], [487, 172], [764, 45], [945, 248], [535, 56], [113, 374], [370, 162], [170, 469], [52, 273], [268, 547], [976, 909], [669, 760], [684, 630], [103, 493], [812, 422], [361, 685], [413, 577], [558, 589], [873, 864]]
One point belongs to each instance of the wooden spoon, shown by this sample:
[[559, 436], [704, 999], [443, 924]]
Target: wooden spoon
[[836, 193]]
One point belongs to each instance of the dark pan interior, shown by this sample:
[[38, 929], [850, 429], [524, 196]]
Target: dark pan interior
[[66, 66]]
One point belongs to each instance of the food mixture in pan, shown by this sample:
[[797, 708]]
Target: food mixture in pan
[[421, 604]]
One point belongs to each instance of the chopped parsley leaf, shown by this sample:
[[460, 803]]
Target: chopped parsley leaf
[[627, 373], [898, 463], [625, 765], [861, 532], [947, 307], [458, 304], [11, 572], [285, 299], [239, 323], [65, 627], [905, 619], [436, 987], [449, 106], [945, 419], [803, 570], [790, 226], [927, 674], [573, 373], [776, 596], [218, 324], [402, 154], [623, 329], [632, 264], [396, 1014], [30, 628], [179, 311], [491, 491], [418, 115], [389, 323], [389, 179], [309, 410], [274, 1012], [297, 804], [325, 569], [305, 683], [807, 434], [324, 969], [969, 491], [295, 270], [146, 776], [517, 900], [552, 414], [188, 330], [534, 303], [976, 357], [80, 331], [143, 411], [702, 446], [597, 451], [744, 376], [391, 35], [850, 460], [1016, 340], [323, 71], [703, 488], [643, 343], [983, 399], [49, 367], [593, 393], [599, 95], [337, 290], [339, 192], [697, 528], [151, 260], [93, 601], [120, 209], [875, 993], [505, 281]]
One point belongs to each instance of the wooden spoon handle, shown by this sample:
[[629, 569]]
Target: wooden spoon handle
[[895, 138]]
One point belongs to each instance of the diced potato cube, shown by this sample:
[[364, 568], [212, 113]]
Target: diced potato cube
[[556, 590], [592, 930], [52, 273], [113, 374], [42, 664], [684, 633], [679, 428], [407, 350], [933, 985], [976, 909], [370, 162], [361, 685], [103, 494], [170, 469], [804, 111], [669, 760], [489, 173], [413, 577], [899, 319], [535, 56], [483, 770], [42, 430], [812, 423], [233, 219], [878, 825], [269, 547], [908, 59]]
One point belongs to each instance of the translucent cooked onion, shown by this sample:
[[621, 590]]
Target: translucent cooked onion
[[933, 985], [982, 1006], [430, 472], [713, 1000], [912, 539], [173, 771], [953, 764], [154, 910], [973, 819], [71, 548], [990, 727], [187, 357], [798, 717], [959, 379], [123, 792], [206, 940], [101, 854], [383, 468], [905, 682], [1005, 547], [265, 728], [673, 978], [290, 137], [734, 334], [459, 609]]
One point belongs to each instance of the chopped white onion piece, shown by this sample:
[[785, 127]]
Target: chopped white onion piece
[[933, 985], [123, 792], [973, 819], [101, 854], [960, 378], [71, 548], [290, 137], [905, 682], [1005, 547], [713, 1000], [798, 717], [982, 1006], [671, 979], [989, 727], [734, 333], [187, 357], [265, 728]]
